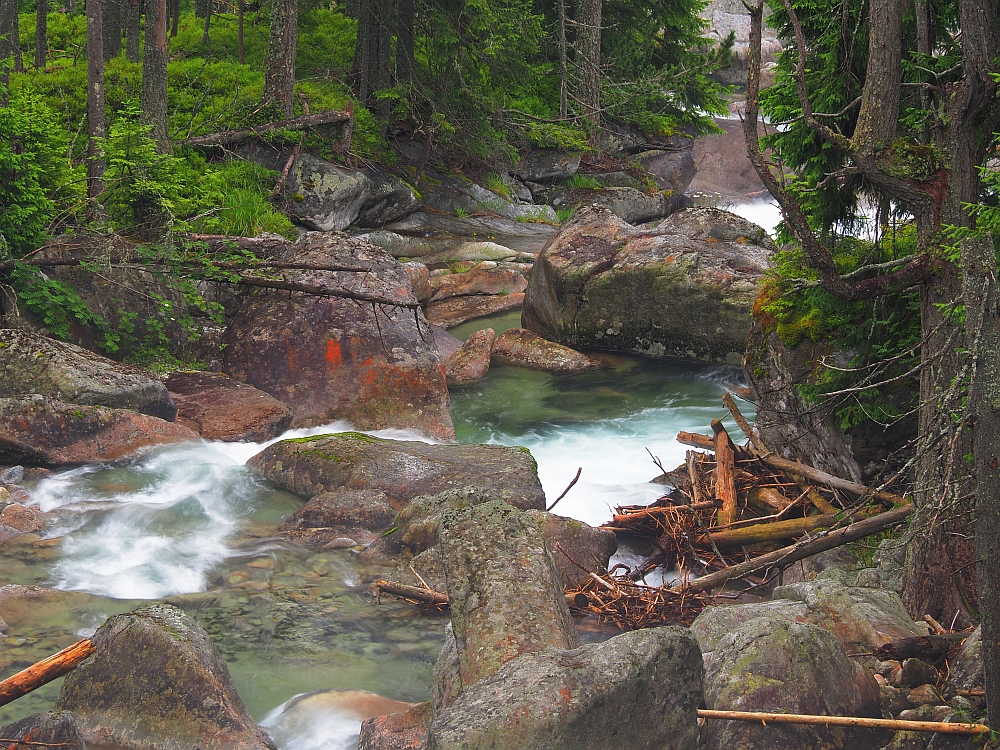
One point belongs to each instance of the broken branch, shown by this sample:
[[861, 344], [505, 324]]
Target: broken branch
[[44, 671], [943, 727], [296, 123]]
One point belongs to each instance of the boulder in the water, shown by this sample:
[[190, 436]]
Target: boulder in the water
[[523, 348], [350, 514], [457, 310], [58, 729], [156, 682], [472, 361], [580, 543], [39, 431], [33, 364], [221, 408]]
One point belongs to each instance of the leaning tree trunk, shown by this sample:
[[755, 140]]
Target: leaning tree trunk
[[588, 62], [154, 74], [41, 33], [279, 75], [112, 14], [95, 108], [133, 27]]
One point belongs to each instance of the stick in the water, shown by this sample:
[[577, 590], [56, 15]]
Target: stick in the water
[[565, 491], [44, 671]]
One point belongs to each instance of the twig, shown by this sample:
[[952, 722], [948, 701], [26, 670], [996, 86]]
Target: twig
[[565, 491], [942, 727]]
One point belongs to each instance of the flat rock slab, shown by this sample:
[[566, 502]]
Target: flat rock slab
[[486, 277], [639, 690], [402, 469], [33, 364], [457, 310], [40, 431], [518, 235], [523, 348], [220, 408], [472, 361], [157, 683]]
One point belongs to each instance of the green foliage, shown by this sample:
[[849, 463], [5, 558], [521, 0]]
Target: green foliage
[[495, 183], [461, 212], [583, 182], [564, 214]]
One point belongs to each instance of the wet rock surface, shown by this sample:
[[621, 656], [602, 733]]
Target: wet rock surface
[[331, 358], [39, 431], [389, 198], [347, 514], [603, 284], [57, 729], [400, 468], [220, 408], [33, 364], [406, 730], [457, 310], [524, 348], [485, 277], [156, 681], [472, 361]]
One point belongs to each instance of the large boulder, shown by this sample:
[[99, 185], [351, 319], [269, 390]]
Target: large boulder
[[582, 545], [523, 348], [472, 361], [602, 283], [156, 682], [389, 198], [39, 431], [638, 690], [31, 364], [402, 469], [788, 667], [672, 170], [323, 197], [965, 671], [861, 618], [504, 590], [546, 165], [58, 729], [357, 515], [220, 408], [330, 358]]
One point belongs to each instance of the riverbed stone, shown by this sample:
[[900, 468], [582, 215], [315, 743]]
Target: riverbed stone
[[547, 165], [389, 198], [457, 310], [637, 690], [329, 358], [56, 729], [788, 667], [472, 361], [220, 408], [323, 197], [966, 669], [157, 682], [359, 515], [34, 364], [24, 519], [406, 730], [523, 348], [403, 469], [604, 284], [486, 277], [39, 431], [504, 590], [587, 545]]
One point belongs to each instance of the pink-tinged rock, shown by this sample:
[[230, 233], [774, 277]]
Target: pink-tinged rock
[[483, 278], [26, 520], [522, 348], [221, 408], [457, 310], [330, 358], [40, 431], [400, 731], [419, 279], [446, 343], [472, 361]]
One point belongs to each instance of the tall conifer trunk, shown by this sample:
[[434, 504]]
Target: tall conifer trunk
[[112, 12], [95, 107], [133, 28], [154, 74], [588, 62], [279, 76], [41, 33]]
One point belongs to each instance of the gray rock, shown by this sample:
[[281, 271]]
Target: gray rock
[[788, 667], [445, 343], [157, 682], [33, 364], [398, 245], [419, 280], [618, 140], [639, 690], [587, 546], [59, 729], [504, 590], [966, 669], [12, 475], [914, 673], [523, 348], [547, 165], [631, 204], [323, 197], [403, 469], [603, 284], [716, 224], [672, 170], [332, 515], [389, 198], [521, 236]]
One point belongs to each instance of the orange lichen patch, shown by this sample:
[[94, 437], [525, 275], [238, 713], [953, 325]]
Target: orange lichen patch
[[333, 353]]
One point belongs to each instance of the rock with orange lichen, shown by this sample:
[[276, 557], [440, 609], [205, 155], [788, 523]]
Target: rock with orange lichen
[[330, 358]]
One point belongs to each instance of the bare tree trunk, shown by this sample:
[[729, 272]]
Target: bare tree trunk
[[133, 27], [200, 8], [563, 67], [279, 76], [405, 19], [175, 17], [41, 33], [588, 62], [95, 107], [209, 7], [111, 17], [372, 52], [240, 10], [8, 12], [154, 74]]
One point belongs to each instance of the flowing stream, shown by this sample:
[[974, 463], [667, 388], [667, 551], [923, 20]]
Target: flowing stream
[[188, 524]]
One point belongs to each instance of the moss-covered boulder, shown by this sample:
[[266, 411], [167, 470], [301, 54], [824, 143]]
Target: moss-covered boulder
[[602, 283], [58, 729], [157, 683], [788, 667], [403, 469], [639, 690], [34, 364]]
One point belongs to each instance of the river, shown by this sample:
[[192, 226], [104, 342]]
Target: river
[[190, 525]]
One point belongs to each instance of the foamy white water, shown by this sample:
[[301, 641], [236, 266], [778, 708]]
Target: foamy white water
[[763, 213]]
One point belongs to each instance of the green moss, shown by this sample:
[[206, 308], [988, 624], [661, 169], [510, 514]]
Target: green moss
[[358, 436], [911, 161], [309, 439]]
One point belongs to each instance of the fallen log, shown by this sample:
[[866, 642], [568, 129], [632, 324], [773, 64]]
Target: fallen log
[[770, 531], [919, 647], [768, 498], [941, 727], [725, 468], [414, 593], [806, 548], [44, 671], [296, 123]]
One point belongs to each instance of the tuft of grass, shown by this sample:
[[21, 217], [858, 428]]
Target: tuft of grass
[[563, 214], [496, 184], [460, 212], [583, 182]]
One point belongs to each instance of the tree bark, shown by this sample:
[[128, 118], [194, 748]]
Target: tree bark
[[563, 64], [405, 19], [133, 29], [725, 467], [111, 17], [279, 76], [15, 41], [154, 74], [588, 62], [8, 14], [209, 7], [240, 11], [372, 52], [41, 34], [95, 108], [175, 18]]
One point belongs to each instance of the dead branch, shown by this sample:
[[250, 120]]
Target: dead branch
[[920, 647], [566, 491], [44, 671], [725, 485], [411, 593], [942, 727], [305, 122]]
